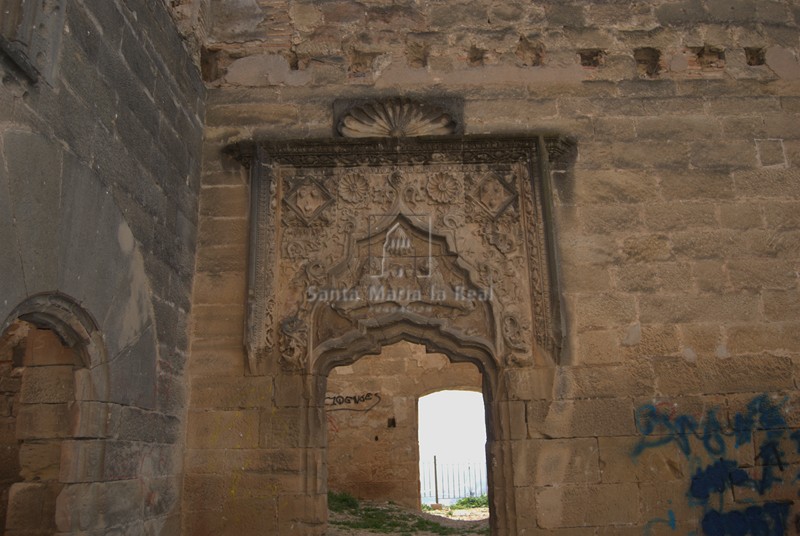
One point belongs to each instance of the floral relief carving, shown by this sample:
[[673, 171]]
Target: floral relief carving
[[353, 188], [443, 233], [442, 187], [294, 343]]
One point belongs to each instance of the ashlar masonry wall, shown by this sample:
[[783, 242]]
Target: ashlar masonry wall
[[672, 406], [101, 122]]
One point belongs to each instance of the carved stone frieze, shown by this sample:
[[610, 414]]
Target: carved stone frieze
[[446, 235]]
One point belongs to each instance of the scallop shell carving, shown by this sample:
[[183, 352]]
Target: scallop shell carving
[[395, 118]]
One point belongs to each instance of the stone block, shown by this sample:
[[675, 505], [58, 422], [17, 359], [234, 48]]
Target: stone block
[[34, 182], [696, 184], [550, 462], [42, 421], [223, 356], [225, 201], [223, 231], [741, 216], [529, 383], [710, 276], [98, 460], [646, 248], [40, 460], [44, 348], [227, 258], [237, 429], [204, 522], [249, 516], [220, 392], [703, 340], [48, 385], [754, 275], [280, 428], [730, 154], [734, 375], [218, 320], [274, 114], [205, 491], [650, 340], [585, 277], [215, 288], [679, 309], [659, 498], [609, 219], [650, 154], [577, 506], [598, 347], [676, 128], [783, 184], [586, 418], [621, 463], [613, 186], [783, 215], [598, 311], [26, 503], [781, 305], [631, 378], [758, 338], [680, 216]]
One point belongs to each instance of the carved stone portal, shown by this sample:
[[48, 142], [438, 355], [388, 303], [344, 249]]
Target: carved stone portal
[[450, 234]]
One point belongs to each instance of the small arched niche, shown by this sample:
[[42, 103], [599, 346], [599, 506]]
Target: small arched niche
[[37, 385]]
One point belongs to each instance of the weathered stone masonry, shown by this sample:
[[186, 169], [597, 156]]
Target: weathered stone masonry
[[669, 404], [99, 174]]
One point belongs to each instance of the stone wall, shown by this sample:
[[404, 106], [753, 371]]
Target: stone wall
[[101, 122], [676, 231], [373, 446]]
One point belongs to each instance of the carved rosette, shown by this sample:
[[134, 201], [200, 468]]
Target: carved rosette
[[442, 187], [395, 118], [353, 188]]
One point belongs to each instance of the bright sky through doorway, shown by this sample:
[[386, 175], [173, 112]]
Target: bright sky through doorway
[[452, 426]]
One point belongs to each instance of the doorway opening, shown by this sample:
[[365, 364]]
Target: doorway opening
[[452, 446], [371, 409]]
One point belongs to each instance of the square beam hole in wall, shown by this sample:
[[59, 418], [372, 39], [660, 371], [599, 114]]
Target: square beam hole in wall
[[707, 58], [648, 61], [592, 57], [755, 56]]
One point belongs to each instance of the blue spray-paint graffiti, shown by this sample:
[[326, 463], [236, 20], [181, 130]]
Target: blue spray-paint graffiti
[[763, 419]]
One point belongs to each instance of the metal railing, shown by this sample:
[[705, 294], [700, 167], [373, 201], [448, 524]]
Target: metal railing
[[448, 482]]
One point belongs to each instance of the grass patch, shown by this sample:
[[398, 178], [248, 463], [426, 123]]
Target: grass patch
[[481, 501], [390, 520], [341, 502]]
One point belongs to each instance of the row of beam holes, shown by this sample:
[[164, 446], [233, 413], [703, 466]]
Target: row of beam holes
[[649, 59]]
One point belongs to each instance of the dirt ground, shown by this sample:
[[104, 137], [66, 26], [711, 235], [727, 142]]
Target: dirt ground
[[471, 521]]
